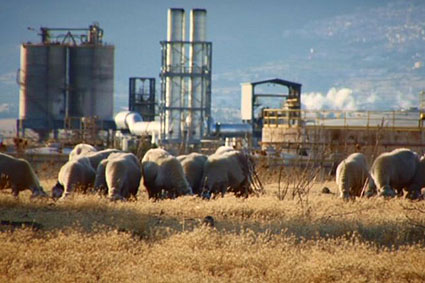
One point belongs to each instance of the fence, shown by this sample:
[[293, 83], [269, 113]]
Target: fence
[[395, 120]]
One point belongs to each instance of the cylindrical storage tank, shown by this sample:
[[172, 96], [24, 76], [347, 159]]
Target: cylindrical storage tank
[[197, 89], [174, 63], [42, 84], [91, 81]]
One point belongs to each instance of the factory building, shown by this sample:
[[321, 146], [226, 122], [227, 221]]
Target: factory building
[[316, 132]]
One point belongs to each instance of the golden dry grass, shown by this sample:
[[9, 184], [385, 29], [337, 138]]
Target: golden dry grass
[[319, 238]]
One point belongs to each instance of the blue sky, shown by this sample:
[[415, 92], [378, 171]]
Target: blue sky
[[367, 54]]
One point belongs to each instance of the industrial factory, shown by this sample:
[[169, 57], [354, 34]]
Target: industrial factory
[[67, 86]]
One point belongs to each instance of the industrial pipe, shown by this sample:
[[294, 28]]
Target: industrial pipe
[[230, 130], [133, 122]]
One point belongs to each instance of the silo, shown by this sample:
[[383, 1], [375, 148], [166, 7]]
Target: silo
[[42, 85], [198, 64], [174, 97], [91, 81]]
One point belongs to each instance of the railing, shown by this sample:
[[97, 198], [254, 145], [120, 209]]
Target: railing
[[346, 119]]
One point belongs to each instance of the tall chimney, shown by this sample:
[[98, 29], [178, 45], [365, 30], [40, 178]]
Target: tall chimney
[[174, 64], [197, 62]]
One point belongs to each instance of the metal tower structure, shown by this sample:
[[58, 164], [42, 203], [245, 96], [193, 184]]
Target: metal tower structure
[[185, 79], [142, 97]]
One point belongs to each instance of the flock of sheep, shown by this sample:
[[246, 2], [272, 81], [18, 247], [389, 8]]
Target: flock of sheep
[[119, 174], [391, 174]]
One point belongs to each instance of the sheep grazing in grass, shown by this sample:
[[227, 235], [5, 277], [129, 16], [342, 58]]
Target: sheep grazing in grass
[[193, 168], [100, 185], [19, 175], [351, 176], [163, 175], [397, 170], [81, 149], [96, 157], [75, 174], [121, 174], [226, 171], [415, 190]]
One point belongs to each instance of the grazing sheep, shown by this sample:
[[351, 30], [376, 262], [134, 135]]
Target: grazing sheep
[[122, 173], [226, 171], [81, 149], [77, 173], [96, 157], [223, 149], [418, 181], [397, 170], [100, 180], [193, 168], [162, 172], [352, 174], [19, 175]]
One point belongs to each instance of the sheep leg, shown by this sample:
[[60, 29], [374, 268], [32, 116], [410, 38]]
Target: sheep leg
[[224, 189], [413, 192], [15, 190]]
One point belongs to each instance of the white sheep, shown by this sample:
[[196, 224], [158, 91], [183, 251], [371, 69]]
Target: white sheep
[[226, 171], [351, 175], [18, 174], [193, 168], [123, 174], [223, 149], [81, 149], [100, 180], [397, 170], [163, 173], [77, 173], [418, 181], [96, 157]]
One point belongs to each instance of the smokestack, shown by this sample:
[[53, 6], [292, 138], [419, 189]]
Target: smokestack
[[174, 64], [197, 59], [198, 25], [176, 24]]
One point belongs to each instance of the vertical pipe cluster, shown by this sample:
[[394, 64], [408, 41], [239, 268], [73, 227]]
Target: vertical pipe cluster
[[186, 77], [174, 64]]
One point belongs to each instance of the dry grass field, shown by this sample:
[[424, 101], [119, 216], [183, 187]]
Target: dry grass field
[[304, 236]]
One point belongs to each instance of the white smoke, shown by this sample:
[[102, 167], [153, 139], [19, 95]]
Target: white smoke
[[341, 99], [345, 99]]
